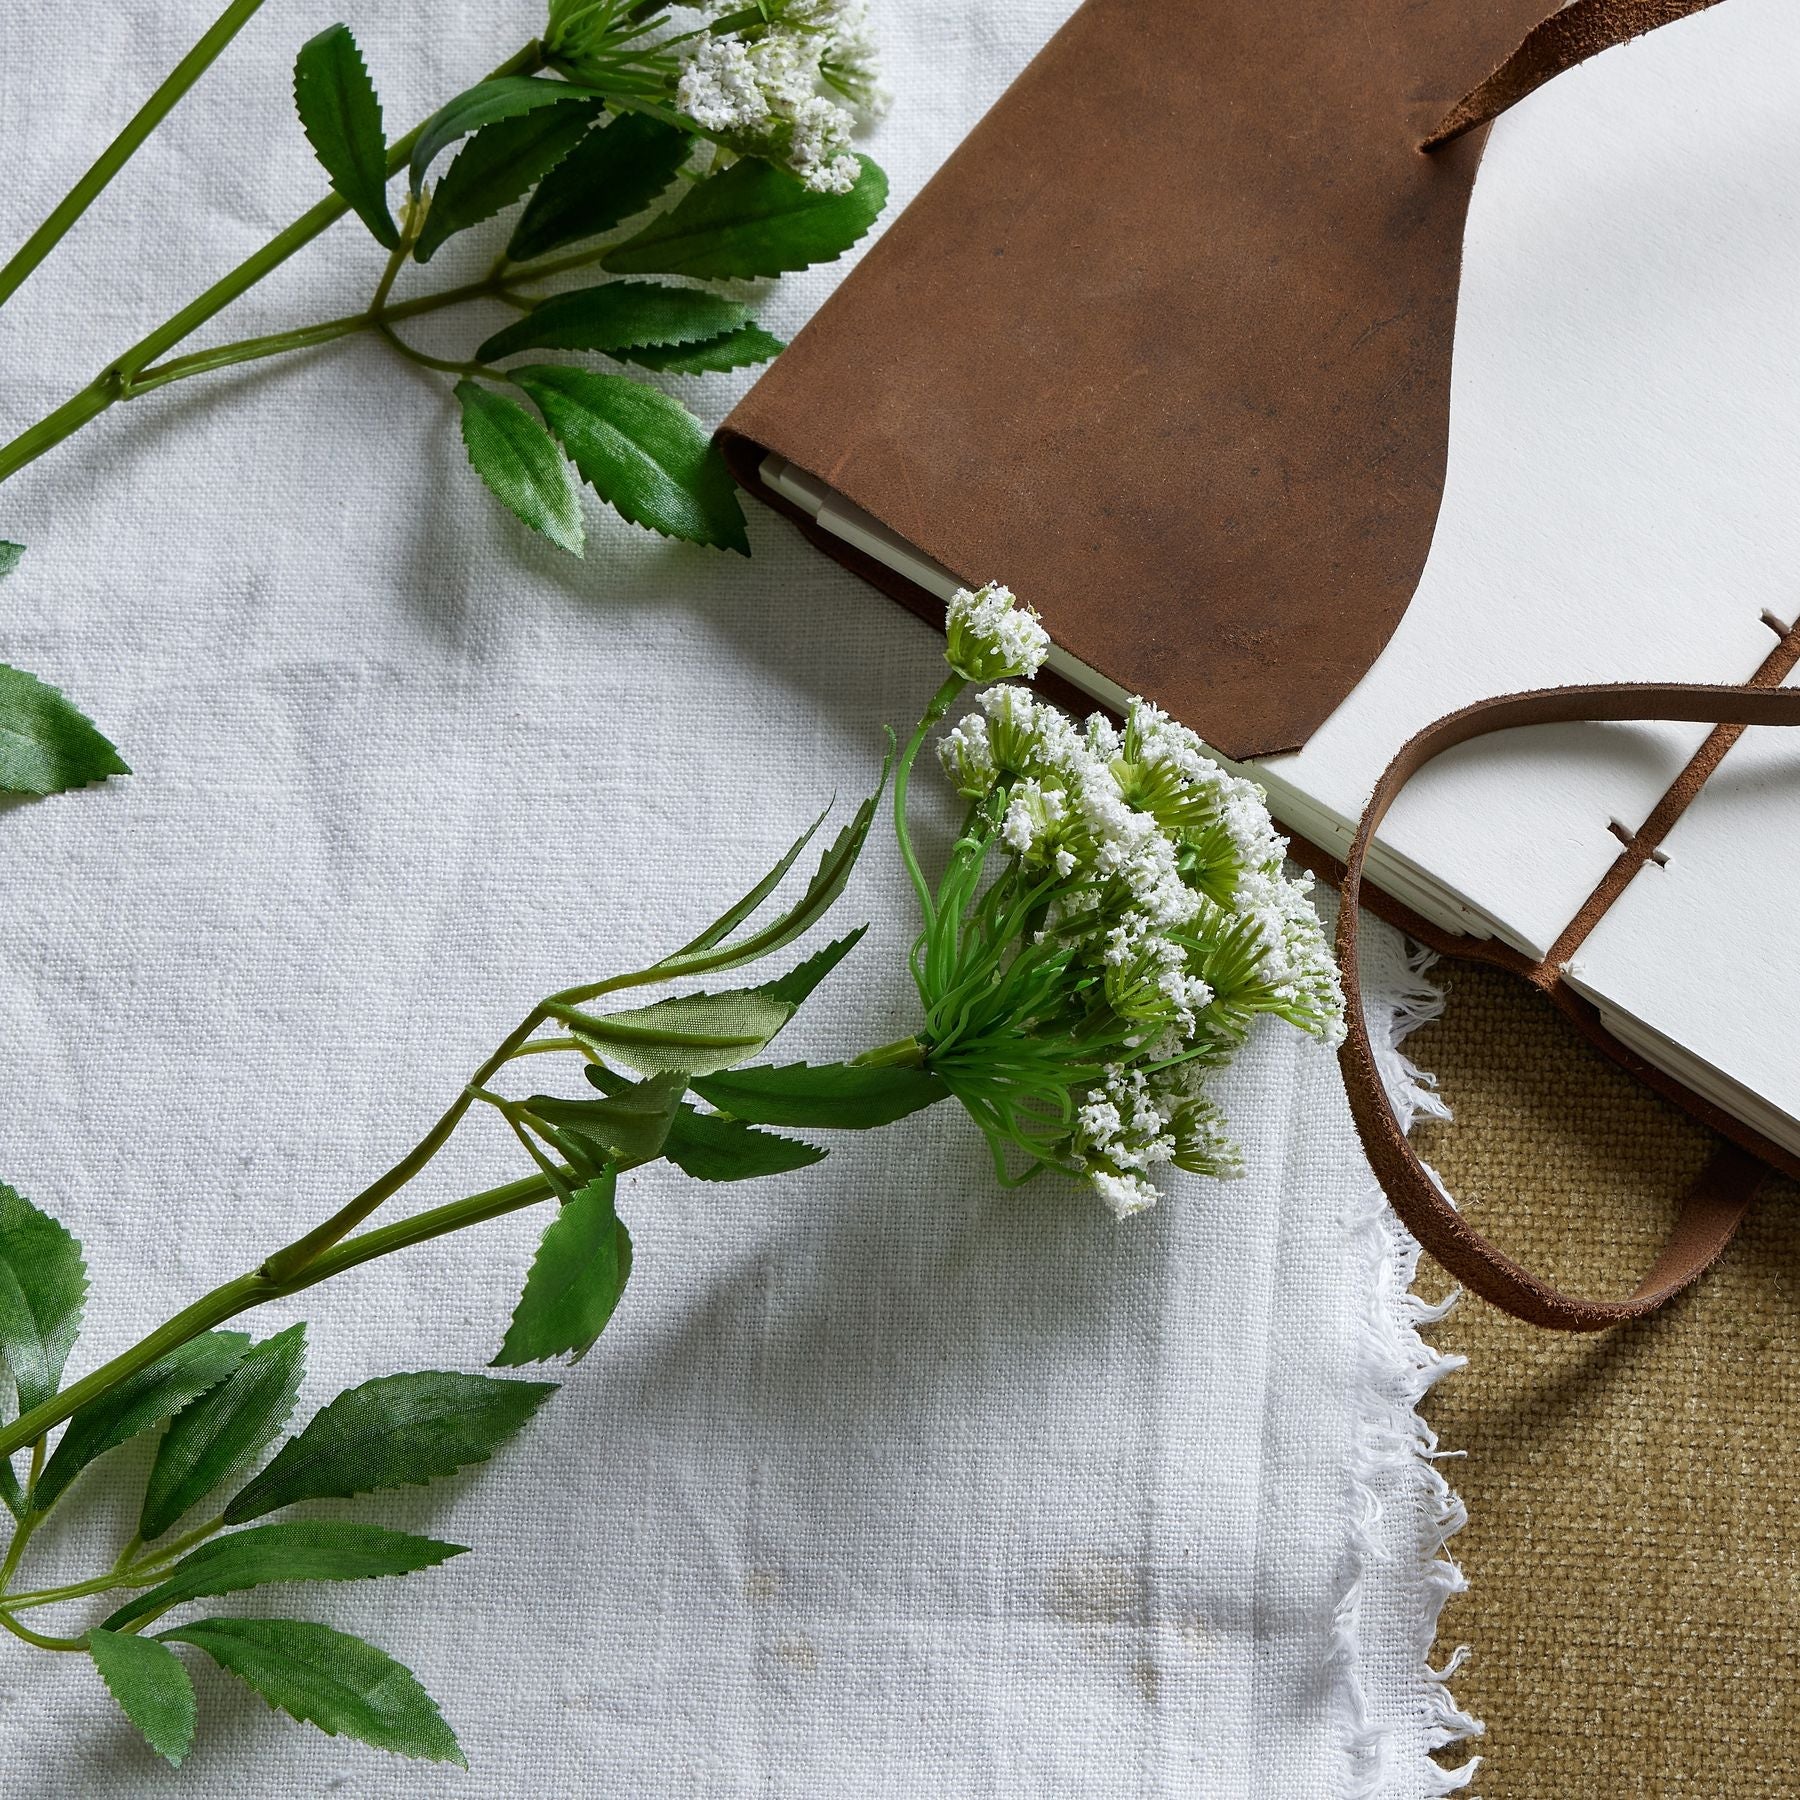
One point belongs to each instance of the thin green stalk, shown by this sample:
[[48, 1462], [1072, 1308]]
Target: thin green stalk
[[9, 1623], [120, 151], [115, 381], [294, 1257], [28, 1524], [941, 703], [258, 1288], [902, 1053]]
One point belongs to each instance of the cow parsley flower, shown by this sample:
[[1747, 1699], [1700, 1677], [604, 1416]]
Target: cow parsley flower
[[991, 638], [1114, 919], [784, 80], [762, 80]]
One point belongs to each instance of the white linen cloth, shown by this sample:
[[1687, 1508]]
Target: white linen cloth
[[884, 1481]]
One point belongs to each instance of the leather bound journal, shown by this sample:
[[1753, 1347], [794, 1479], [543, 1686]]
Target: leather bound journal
[[1166, 346]]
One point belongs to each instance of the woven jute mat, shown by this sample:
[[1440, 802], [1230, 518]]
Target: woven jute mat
[[1633, 1546]]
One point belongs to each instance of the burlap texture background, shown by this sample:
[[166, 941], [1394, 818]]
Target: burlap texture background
[[1632, 1546]]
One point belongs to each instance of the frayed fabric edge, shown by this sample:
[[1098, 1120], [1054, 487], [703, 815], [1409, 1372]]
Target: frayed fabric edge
[[1394, 1454]]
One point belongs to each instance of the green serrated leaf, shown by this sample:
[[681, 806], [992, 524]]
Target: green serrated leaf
[[711, 1148], [43, 1283], [341, 116], [734, 915], [692, 1034], [138, 1402], [616, 316], [151, 1687], [47, 744], [9, 555], [496, 167], [835, 1096], [611, 174], [223, 1429], [328, 1679], [819, 897], [487, 103], [752, 219], [796, 986], [629, 1128], [316, 1550], [521, 464], [394, 1431], [739, 349], [576, 1278], [643, 453]]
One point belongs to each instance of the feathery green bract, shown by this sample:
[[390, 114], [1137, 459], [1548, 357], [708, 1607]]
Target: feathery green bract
[[835, 1096], [224, 1428], [43, 1282], [138, 1402], [47, 744], [9, 555], [616, 316], [329, 1679], [576, 1279], [497, 165], [341, 116], [521, 465], [151, 1687], [613, 172], [643, 453], [394, 1431], [314, 1550], [751, 219]]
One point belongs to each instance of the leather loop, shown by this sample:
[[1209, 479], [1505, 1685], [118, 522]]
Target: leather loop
[[1582, 29], [1714, 1206]]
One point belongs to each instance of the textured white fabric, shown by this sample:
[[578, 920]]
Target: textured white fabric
[[884, 1481]]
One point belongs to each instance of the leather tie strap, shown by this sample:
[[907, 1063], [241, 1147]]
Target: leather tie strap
[[1714, 1206], [1582, 29]]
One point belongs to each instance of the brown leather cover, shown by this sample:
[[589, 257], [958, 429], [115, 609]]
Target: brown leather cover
[[1165, 346]]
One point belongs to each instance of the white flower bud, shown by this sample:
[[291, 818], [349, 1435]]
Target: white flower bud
[[990, 637]]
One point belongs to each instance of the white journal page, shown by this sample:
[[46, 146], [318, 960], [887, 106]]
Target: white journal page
[[1623, 493]]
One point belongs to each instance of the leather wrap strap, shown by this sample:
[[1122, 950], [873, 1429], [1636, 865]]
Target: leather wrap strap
[[1582, 29], [1714, 1206]]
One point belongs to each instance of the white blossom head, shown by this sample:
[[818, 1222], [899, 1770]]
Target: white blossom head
[[990, 637], [1116, 919]]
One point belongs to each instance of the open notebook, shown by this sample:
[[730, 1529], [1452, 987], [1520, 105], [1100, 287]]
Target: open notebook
[[1621, 503]]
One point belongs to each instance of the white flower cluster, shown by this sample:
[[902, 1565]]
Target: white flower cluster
[[1163, 876], [990, 637], [763, 92]]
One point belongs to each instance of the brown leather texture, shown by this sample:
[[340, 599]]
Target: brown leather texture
[[1165, 346], [1582, 29], [1715, 1205]]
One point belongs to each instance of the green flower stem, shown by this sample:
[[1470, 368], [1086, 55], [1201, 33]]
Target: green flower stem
[[120, 151], [307, 337], [258, 1288], [9, 1623], [941, 702], [115, 381], [471, 371], [902, 1053], [132, 1570]]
